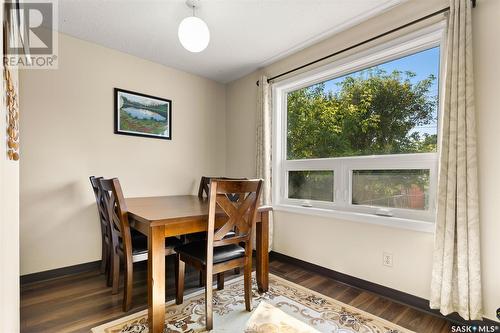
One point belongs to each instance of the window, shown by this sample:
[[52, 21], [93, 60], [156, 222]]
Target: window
[[406, 189], [361, 135], [311, 185]]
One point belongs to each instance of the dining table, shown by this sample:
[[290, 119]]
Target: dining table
[[159, 217]]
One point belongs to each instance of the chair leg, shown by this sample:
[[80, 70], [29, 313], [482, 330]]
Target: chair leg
[[109, 267], [201, 283], [180, 267], [220, 281], [208, 298], [237, 271], [127, 289], [248, 283], [114, 276], [104, 256]]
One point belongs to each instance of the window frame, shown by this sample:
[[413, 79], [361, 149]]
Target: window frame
[[342, 207]]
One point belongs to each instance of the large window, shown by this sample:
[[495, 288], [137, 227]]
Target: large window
[[360, 135]]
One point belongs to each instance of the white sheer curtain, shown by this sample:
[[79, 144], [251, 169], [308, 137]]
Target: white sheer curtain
[[264, 118], [456, 275]]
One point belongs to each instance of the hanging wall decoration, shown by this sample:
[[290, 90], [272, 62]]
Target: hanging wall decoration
[[12, 117], [142, 115]]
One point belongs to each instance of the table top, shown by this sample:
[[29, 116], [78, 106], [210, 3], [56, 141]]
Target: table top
[[164, 209]]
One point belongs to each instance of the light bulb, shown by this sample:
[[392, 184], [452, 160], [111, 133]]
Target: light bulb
[[194, 34]]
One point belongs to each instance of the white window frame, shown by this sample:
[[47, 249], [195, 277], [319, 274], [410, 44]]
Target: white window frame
[[342, 167]]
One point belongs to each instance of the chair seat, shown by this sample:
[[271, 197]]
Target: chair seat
[[140, 243], [199, 236], [198, 251], [134, 233]]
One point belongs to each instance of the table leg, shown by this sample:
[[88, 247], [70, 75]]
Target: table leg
[[262, 244], [156, 279]]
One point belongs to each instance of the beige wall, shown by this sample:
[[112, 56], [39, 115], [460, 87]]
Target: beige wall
[[241, 99], [487, 78], [356, 248], [9, 224], [9, 234], [67, 135]]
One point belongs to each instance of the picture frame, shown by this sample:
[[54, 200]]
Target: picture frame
[[142, 115]]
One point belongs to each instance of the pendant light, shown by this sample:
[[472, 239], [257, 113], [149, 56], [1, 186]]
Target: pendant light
[[193, 32]]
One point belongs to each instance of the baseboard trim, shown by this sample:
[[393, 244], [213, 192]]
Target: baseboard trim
[[412, 301], [59, 272]]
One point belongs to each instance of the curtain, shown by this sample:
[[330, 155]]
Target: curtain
[[456, 275], [12, 27], [264, 118], [17, 33]]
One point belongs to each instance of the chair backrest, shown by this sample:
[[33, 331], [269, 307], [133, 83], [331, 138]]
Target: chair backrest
[[117, 214], [204, 189], [240, 215], [101, 208]]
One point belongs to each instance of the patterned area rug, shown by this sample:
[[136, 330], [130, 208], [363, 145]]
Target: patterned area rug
[[286, 307]]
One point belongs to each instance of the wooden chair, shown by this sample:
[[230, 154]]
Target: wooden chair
[[105, 231], [204, 191], [219, 253], [126, 248], [204, 188]]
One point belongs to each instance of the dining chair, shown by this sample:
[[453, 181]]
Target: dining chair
[[218, 252], [105, 232], [204, 188], [204, 191], [126, 249]]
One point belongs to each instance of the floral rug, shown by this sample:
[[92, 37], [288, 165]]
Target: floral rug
[[286, 307]]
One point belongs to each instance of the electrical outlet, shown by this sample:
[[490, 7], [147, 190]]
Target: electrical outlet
[[387, 259]]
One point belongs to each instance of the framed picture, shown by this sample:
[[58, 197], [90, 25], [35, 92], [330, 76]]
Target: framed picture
[[142, 115]]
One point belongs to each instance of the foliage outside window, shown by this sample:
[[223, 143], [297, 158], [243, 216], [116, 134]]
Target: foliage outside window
[[311, 185], [370, 112], [405, 189]]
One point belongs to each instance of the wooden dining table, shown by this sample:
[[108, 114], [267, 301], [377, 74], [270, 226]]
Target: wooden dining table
[[165, 216]]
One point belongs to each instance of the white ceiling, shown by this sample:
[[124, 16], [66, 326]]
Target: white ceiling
[[245, 34]]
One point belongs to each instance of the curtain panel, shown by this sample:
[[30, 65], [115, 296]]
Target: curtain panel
[[13, 25], [264, 148], [456, 275]]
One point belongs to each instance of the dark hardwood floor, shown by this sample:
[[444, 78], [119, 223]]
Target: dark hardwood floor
[[78, 302]]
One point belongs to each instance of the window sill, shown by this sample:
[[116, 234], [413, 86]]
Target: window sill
[[393, 222]]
